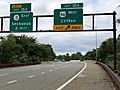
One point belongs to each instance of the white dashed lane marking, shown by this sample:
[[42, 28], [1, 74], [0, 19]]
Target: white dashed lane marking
[[52, 65], [56, 69], [42, 72], [50, 70], [3, 75], [13, 81], [31, 76]]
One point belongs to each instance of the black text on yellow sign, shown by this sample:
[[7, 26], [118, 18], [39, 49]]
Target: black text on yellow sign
[[16, 6], [68, 27]]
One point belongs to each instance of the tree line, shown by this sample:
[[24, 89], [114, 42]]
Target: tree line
[[105, 52], [24, 49], [67, 57]]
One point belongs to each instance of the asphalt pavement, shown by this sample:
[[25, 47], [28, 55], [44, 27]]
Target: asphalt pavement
[[39, 77], [92, 78]]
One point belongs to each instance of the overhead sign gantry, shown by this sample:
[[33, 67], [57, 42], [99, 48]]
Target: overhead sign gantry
[[2, 30]]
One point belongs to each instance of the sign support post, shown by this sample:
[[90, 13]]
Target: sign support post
[[114, 39]]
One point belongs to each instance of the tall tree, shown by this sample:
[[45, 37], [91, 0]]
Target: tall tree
[[22, 49]]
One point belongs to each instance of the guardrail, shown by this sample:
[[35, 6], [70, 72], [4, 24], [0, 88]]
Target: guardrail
[[114, 77]]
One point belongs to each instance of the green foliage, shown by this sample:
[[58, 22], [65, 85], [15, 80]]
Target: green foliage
[[118, 61], [90, 55], [67, 57], [105, 52], [60, 57], [106, 49], [22, 49], [109, 61], [23, 58], [77, 56], [118, 21]]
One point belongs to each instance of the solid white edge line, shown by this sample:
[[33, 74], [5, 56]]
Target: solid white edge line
[[10, 82], [61, 87]]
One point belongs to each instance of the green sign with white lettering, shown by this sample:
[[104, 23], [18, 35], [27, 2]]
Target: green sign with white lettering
[[68, 16], [20, 7], [68, 19], [21, 22], [72, 5]]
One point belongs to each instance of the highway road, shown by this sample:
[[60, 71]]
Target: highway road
[[39, 77]]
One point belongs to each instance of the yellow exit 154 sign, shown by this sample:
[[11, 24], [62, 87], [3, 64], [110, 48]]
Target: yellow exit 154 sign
[[68, 27]]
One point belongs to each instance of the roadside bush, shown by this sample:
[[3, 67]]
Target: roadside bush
[[23, 58]]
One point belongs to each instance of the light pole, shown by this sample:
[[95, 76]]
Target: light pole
[[96, 47]]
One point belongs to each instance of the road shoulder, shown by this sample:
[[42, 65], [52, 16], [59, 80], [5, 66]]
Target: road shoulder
[[92, 78]]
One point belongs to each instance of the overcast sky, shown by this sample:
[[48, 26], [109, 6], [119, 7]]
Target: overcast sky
[[68, 42]]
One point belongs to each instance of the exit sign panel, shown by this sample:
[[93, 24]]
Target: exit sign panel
[[68, 16], [72, 5], [68, 19], [20, 7], [21, 22]]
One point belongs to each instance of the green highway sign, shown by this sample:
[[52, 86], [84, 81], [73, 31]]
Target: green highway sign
[[20, 7], [68, 16], [21, 22], [72, 5], [68, 19]]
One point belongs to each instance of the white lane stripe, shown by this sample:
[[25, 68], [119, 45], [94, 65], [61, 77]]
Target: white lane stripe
[[63, 66], [31, 76], [52, 65], [35, 68], [56, 69], [61, 87], [42, 72], [3, 75], [50, 70], [13, 81]]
